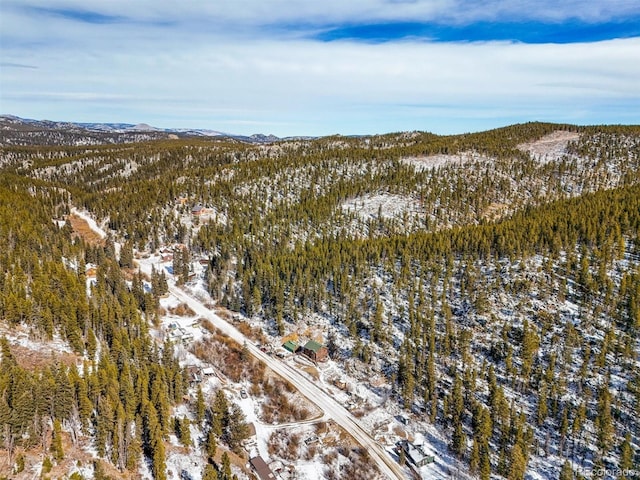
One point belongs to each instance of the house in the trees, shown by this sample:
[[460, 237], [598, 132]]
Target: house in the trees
[[91, 270], [415, 453], [262, 469], [178, 334], [197, 210], [194, 374], [315, 351], [291, 346]]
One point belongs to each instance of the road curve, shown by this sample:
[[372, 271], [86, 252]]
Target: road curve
[[306, 387]]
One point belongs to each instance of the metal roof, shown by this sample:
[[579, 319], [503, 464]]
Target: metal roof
[[291, 346], [261, 468], [313, 346]]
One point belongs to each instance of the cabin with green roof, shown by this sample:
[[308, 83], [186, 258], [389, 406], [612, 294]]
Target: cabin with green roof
[[315, 351], [291, 346]]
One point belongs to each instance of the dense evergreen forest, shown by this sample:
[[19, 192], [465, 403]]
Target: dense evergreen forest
[[501, 302], [121, 396]]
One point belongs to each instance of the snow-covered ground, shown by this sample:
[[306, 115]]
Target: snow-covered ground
[[374, 420], [385, 205], [90, 221], [306, 387], [194, 295], [430, 162], [551, 147]]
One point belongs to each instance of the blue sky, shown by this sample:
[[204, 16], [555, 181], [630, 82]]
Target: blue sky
[[316, 68]]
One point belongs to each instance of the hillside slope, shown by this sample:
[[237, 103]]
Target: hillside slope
[[484, 288]]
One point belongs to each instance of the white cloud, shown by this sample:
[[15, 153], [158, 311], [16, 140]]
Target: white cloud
[[202, 77], [230, 14]]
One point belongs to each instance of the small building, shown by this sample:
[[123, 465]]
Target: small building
[[315, 351], [178, 334], [415, 453], [311, 440], [197, 210], [91, 271], [175, 334], [291, 346], [262, 469], [195, 375]]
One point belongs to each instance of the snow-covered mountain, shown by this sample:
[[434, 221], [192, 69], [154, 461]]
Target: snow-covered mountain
[[25, 131]]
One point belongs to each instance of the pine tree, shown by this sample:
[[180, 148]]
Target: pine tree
[[185, 432], [220, 414], [237, 429], [160, 397], [56, 442], [530, 345], [134, 452], [225, 467], [200, 406], [127, 392], [103, 425], [154, 444], [567, 472], [542, 404], [604, 421], [480, 455], [517, 464], [91, 344], [627, 456], [211, 445], [458, 440], [564, 429], [47, 465], [19, 467], [474, 457], [457, 400], [209, 473], [126, 255], [485, 464]]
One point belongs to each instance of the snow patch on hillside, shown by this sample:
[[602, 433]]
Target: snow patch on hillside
[[430, 162], [21, 337], [90, 221], [551, 147], [385, 205]]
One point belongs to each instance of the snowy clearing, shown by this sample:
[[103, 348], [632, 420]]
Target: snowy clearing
[[90, 221], [551, 147], [385, 205], [430, 162]]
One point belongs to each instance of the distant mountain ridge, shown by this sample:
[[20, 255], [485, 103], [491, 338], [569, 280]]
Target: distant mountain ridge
[[15, 130]]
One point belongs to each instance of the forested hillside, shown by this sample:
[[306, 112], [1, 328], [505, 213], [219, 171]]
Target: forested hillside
[[491, 279], [122, 394]]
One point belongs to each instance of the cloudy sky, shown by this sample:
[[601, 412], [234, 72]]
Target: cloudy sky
[[306, 67]]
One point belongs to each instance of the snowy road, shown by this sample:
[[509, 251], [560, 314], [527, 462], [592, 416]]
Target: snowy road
[[324, 401]]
